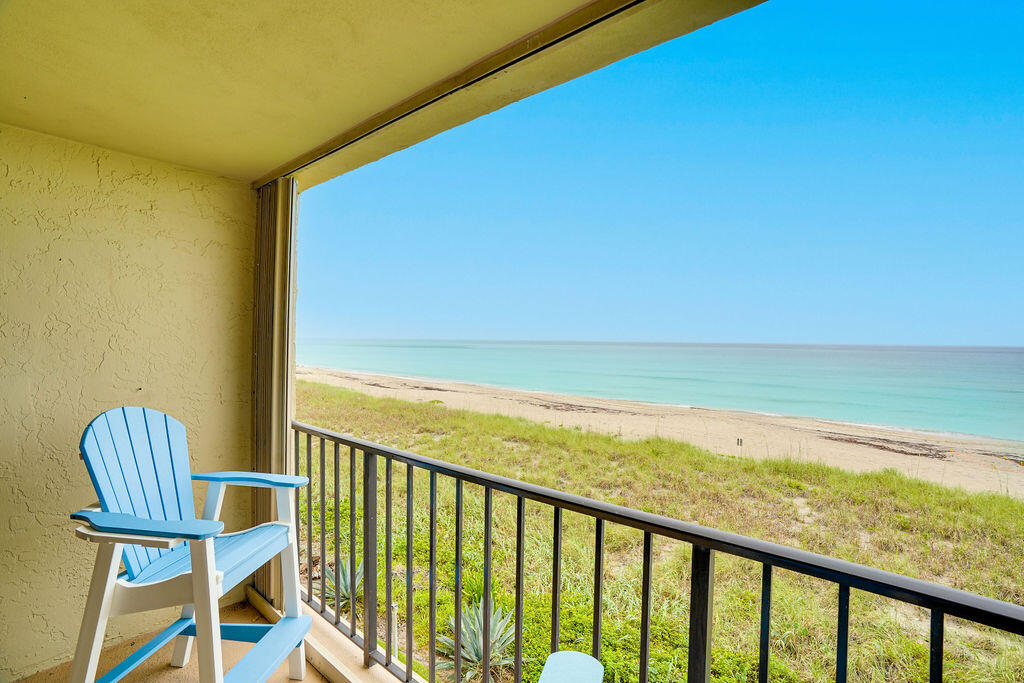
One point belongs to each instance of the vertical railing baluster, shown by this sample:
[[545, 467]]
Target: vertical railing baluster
[[337, 519], [352, 616], [369, 557], [298, 492], [702, 588], [595, 646], [309, 518], [843, 633], [387, 561], [323, 532], [433, 577], [408, 571], [457, 636], [556, 579], [520, 568], [766, 623], [487, 606], [935, 637], [645, 607]]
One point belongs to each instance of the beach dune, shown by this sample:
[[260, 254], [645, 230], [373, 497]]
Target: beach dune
[[972, 462]]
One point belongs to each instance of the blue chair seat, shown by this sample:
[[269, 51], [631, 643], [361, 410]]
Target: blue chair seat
[[237, 555], [566, 666]]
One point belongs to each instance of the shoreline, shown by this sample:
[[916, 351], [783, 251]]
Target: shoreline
[[976, 463], [654, 404]]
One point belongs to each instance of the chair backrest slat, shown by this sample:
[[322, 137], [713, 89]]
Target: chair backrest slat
[[130, 468], [100, 454], [138, 461], [160, 444]]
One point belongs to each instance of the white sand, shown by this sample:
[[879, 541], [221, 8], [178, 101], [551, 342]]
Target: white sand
[[974, 463]]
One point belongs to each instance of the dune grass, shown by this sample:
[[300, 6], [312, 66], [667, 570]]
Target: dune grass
[[971, 541]]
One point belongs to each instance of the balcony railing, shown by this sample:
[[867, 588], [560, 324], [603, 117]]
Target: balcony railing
[[330, 451]]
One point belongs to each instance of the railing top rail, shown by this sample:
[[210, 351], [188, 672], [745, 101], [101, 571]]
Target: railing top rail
[[954, 602]]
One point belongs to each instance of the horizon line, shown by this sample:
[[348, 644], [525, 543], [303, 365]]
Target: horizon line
[[659, 343]]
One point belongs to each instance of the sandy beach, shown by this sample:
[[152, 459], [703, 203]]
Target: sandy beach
[[974, 463]]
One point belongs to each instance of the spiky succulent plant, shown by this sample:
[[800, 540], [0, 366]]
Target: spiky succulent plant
[[340, 585], [472, 645]]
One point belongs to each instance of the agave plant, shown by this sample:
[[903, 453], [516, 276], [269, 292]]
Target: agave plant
[[472, 645], [339, 585]]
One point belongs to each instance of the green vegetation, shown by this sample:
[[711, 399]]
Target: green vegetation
[[337, 589], [883, 519], [501, 635]]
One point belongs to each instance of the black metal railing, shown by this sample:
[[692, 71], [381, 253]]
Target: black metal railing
[[939, 600]]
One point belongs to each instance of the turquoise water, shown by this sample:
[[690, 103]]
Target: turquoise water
[[969, 390]]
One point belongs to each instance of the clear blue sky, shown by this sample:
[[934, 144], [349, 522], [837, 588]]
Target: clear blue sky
[[803, 172]]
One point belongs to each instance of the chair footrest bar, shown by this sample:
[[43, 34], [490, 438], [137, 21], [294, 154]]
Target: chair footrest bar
[[243, 633], [270, 650], [179, 627]]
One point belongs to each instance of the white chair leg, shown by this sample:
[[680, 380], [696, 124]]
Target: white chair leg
[[97, 610], [205, 592], [290, 581], [183, 644], [211, 510]]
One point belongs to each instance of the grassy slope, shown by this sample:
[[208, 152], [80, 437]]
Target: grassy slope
[[884, 519]]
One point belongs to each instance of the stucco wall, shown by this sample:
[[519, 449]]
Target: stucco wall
[[123, 281]]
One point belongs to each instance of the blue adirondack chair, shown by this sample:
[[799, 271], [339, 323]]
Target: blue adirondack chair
[[138, 461], [566, 666]]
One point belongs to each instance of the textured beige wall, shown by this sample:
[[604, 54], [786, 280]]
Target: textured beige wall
[[122, 281]]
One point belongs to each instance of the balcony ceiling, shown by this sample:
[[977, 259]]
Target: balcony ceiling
[[237, 87]]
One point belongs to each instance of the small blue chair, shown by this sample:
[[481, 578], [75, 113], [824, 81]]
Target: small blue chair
[[566, 666], [138, 461]]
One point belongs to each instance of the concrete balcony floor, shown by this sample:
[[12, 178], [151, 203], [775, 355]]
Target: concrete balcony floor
[[156, 668]]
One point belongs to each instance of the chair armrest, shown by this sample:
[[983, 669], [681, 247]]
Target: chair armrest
[[118, 523], [256, 479]]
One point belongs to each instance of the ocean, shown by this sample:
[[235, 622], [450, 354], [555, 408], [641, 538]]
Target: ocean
[[967, 390]]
